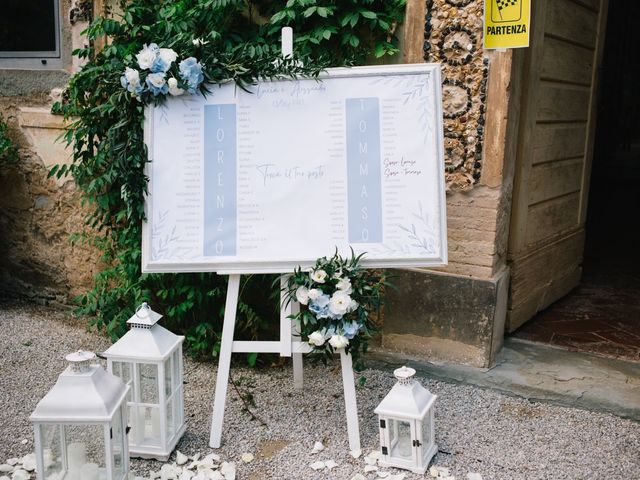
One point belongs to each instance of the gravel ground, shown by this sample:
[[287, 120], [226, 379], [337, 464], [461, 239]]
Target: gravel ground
[[477, 430]]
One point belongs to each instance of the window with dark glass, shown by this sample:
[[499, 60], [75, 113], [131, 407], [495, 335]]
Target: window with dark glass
[[29, 28]]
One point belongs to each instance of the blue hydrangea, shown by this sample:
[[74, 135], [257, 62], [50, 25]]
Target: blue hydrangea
[[191, 73], [350, 329], [320, 312]]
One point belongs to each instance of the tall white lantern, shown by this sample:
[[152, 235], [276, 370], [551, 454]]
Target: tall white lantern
[[80, 425], [148, 358], [407, 430]]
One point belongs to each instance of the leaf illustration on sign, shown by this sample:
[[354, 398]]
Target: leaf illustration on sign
[[422, 233]]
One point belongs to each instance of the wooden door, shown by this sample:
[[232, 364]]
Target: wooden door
[[555, 146]]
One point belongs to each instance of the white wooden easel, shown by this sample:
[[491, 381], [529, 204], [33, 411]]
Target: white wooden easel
[[288, 346]]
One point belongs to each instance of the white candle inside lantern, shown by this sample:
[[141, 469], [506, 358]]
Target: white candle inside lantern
[[76, 456], [89, 471]]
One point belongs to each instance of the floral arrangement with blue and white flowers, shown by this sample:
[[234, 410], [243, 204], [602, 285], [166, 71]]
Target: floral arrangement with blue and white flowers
[[337, 298], [159, 73]]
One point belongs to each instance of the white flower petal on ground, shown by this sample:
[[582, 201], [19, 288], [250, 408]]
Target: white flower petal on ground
[[196, 457], [247, 457], [6, 468], [443, 471], [216, 475], [181, 458], [317, 465], [4, 477], [330, 464], [399, 476], [433, 472], [213, 457], [228, 469], [474, 476], [370, 461], [370, 468], [356, 453], [14, 460], [186, 475], [383, 474], [29, 462], [358, 476], [20, 475], [317, 446], [375, 454]]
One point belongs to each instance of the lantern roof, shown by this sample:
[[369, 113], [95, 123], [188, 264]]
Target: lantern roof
[[145, 344], [83, 393], [144, 317], [407, 398]]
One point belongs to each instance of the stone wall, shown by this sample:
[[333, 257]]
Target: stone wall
[[39, 214], [457, 313]]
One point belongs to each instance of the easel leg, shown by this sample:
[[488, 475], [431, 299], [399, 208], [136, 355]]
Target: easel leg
[[224, 362], [351, 407], [298, 378]]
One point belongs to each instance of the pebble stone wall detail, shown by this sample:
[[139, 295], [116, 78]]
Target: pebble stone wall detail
[[453, 37]]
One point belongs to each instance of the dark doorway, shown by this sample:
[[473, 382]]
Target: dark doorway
[[602, 315]]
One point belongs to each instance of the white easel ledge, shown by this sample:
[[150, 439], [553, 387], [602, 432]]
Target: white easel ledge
[[288, 346]]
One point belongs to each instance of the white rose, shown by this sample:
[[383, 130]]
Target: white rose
[[314, 293], [316, 338], [319, 276], [146, 57], [353, 305], [302, 295], [133, 76], [173, 88], [338, 341], [156, 79], [168, 55], [339, 303], [344, 284]]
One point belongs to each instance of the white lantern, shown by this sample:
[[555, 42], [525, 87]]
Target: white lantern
[[80, 425], [149, 359], [407, 431]]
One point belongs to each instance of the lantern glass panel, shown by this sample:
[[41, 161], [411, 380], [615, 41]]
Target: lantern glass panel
[[51, 436], [148, 381], [176, 368], [85, 450], [117, 445], [426, 434], [148, 426], [400, 439], [171, 425], [168, 373], [124, 370]]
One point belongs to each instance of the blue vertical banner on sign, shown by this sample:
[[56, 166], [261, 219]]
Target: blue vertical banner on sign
[[220, 159], [364, 180]]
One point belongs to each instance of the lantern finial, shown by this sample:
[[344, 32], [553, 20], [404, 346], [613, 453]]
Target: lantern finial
[[144, 317], [404, 375], [80, 361]]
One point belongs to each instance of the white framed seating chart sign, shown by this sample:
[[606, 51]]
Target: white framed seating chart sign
[[266, 180]]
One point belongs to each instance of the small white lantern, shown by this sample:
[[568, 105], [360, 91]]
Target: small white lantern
[[149, 359], [80, 425], [407, 430]]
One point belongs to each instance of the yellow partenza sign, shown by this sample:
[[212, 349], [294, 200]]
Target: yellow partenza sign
[[506, 23]]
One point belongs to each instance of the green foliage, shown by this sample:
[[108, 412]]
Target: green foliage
[[236, 40], [8, 151]]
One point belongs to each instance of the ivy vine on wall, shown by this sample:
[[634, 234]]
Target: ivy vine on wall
[[235, 40]]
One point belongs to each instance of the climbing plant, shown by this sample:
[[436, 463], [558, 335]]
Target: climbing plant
[[234, 40]]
